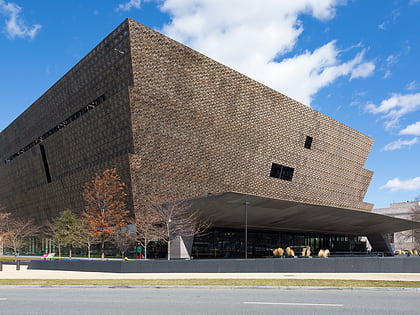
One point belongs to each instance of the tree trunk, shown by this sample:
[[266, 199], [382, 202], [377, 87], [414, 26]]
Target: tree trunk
[[145, 250], [70, 252], [103, 251], [88, 251], [169, 240]]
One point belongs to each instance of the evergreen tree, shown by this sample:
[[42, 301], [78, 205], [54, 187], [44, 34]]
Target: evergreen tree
[[67, 228]]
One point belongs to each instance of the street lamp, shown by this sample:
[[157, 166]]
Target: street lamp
[[246, 229]]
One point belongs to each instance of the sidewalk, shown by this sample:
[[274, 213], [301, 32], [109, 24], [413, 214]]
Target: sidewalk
[[10, 272]]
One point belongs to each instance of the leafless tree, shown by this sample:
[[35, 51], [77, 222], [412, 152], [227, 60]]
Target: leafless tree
[[87, 239], [415, 216], [49, 231], [122, 239], [175, 218], [3, 221], [148, 226], [17, 232]]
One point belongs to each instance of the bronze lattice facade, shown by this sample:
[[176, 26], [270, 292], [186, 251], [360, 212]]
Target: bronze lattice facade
[[174, 122]]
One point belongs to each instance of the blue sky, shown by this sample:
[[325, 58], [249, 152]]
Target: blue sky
[[356, 61]]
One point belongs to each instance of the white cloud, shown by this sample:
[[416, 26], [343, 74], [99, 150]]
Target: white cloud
[[395, 107], [390, 20], [390, 61], [15, 26], [412, 2], [362, 70], [399, 144], [129, 5], [253, 39], [413, 129], [383, 25], [397, 184], [413, 85]]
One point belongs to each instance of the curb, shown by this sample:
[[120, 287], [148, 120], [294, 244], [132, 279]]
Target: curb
[[214, 287]]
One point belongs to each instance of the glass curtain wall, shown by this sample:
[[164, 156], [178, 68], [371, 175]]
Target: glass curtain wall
[[224, 243], [221, 243]]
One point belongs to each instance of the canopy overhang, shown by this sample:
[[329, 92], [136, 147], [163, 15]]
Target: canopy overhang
[[227, 210]]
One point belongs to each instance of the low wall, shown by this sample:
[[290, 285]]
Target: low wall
[[333, 265]]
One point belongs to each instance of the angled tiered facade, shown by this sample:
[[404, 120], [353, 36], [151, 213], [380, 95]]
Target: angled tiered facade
[[199, 126], [176, 123]]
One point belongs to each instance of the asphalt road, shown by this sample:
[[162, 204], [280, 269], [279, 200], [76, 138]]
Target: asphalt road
[[135, 300]]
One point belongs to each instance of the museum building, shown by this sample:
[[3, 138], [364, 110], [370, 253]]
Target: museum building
[[174, 122]]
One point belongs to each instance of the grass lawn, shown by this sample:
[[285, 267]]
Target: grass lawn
[[20, 258], [215, 282]]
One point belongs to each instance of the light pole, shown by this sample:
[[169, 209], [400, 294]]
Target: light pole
[[169, 238], [246, 229]]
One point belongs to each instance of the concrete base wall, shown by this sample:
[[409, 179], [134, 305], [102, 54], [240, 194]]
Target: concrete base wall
[[332, 265]]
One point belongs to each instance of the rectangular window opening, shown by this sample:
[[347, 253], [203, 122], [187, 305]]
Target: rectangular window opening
[[45, 161], [308, 142], [282, 172], [58, 127]]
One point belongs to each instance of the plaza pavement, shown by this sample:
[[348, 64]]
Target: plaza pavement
[[10, 272]]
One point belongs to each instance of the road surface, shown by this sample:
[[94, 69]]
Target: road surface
[[138, 300]]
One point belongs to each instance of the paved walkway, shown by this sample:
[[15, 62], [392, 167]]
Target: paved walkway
[[10, 272]]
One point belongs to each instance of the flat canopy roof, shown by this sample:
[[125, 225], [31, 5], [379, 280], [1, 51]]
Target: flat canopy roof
[[228, 210]]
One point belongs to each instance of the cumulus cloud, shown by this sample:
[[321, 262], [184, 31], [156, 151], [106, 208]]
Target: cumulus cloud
[[397, 184], [129, 5], [412, 2], [254, 39], [15, 26], [400, 144], [395, 107], [413, 129]]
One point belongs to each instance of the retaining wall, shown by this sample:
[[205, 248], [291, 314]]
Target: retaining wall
[[332, 265]]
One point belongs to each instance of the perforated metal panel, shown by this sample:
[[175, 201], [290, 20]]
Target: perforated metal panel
[[176, 123]]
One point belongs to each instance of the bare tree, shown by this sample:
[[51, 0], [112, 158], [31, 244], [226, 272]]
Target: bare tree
[[122, 239], [176, 218], [49, 231], [415, 216], [17, 232], [148, 226], [86, 238], [3, 221]]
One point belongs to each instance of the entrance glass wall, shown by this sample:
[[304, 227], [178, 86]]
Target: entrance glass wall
[[224, 243]]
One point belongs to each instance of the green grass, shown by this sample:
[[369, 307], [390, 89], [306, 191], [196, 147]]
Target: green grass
[[215, 282], [20, 258]]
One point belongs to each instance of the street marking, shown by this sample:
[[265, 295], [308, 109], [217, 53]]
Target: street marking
[[294, 304]]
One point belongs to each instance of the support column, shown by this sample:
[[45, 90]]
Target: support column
[[380, 243]]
